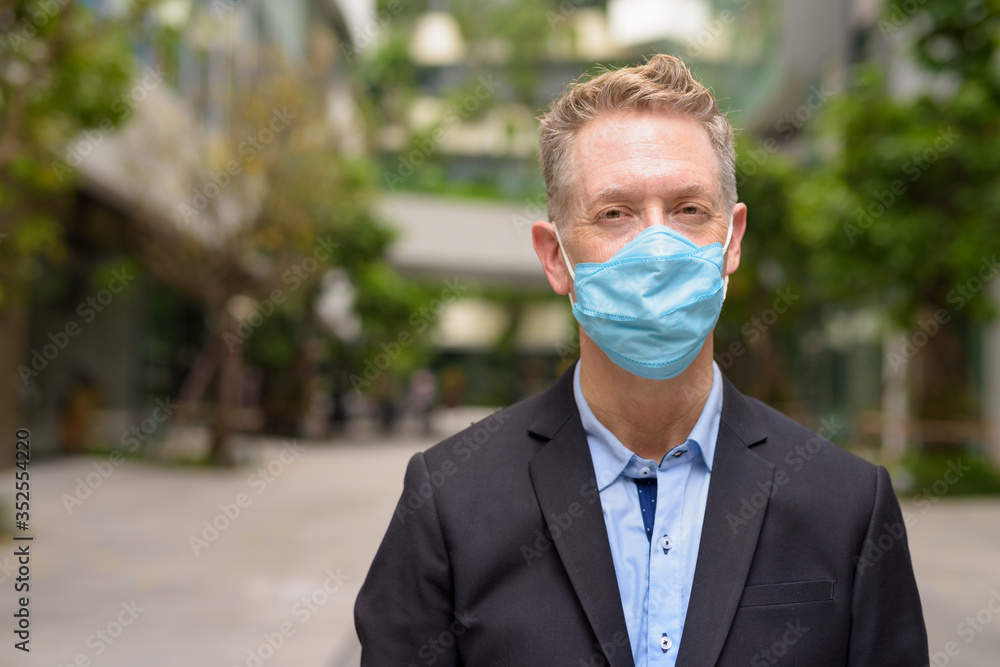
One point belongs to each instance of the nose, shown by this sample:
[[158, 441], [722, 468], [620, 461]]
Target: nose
[[653, 215]]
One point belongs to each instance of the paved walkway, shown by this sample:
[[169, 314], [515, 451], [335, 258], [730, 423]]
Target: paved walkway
[[132, 576]]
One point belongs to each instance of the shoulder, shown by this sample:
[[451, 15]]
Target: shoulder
[[805, 461], [500, 439], [787, 436], [510, 436]]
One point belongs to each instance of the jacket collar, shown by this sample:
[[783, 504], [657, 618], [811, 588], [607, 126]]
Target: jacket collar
[[729, 532], [562, 474], [557, 406]]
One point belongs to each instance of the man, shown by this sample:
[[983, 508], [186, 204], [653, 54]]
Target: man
[[642, 511]]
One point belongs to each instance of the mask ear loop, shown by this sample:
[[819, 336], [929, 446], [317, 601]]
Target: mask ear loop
[[565, 257], [725, 247]]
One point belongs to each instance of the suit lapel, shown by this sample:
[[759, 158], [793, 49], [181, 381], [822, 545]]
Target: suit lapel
[[737, 502], [562, 474]]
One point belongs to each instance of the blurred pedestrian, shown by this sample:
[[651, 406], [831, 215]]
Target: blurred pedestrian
[[423, 396]]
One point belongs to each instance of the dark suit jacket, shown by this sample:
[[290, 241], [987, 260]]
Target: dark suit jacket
[[498, 554]]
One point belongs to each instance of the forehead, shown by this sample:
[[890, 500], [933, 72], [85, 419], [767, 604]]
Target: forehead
[[642, 149]]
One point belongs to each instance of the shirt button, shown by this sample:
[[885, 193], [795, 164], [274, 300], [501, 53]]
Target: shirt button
[[665, 642], [666, 543], [644, 472]]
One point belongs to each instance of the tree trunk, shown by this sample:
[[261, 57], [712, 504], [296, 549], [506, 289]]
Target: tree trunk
[[945, 390], [991, 391], [197, 380], [230, 383], [14, 336]]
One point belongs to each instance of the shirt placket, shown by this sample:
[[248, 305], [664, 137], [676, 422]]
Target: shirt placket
[[666, 567]]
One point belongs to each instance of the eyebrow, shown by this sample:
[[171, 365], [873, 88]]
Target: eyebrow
[[618, 193]]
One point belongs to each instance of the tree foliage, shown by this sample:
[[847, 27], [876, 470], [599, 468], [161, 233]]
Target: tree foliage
[[904, 206], [901, 205], [62, 69]]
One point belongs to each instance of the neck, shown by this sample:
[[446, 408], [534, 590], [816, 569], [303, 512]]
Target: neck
[[650, 417]]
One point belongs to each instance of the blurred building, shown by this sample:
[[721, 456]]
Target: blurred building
[[773, 63], [139, 345]]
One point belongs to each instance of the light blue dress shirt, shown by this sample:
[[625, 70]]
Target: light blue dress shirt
[[654, 576]]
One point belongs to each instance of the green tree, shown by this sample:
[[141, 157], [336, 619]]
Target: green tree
[[509, 45], [62, 69], [753, 340], [264, 207], [231, 222], [902, 211]]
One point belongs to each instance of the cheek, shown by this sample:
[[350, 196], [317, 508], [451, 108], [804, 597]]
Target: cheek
[[713, 232], [601, 250], [599, 245]]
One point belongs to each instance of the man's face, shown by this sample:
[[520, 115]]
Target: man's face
[[637, 169], [630, 171]]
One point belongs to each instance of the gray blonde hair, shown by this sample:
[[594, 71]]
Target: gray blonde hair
[[662, 83]]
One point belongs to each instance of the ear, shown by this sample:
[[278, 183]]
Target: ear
[[543, 236], [739, 228]]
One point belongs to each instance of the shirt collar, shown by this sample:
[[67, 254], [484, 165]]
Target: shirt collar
[[612, 458]]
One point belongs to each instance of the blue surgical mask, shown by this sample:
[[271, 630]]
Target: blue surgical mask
[[651, 306]]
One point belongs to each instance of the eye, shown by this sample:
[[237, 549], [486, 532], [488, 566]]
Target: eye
[[691, 209], [613, 214]]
